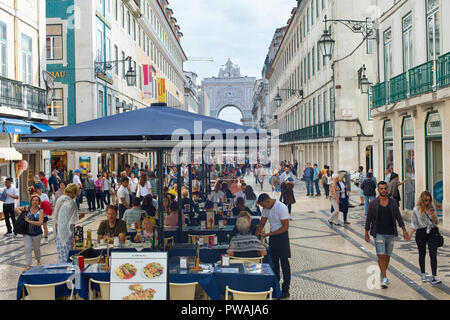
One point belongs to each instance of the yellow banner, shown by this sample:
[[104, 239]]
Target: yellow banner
[[161, 90]]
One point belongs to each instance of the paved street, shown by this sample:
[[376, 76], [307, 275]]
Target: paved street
[[327, 263]]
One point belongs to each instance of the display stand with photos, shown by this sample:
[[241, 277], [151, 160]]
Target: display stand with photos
[[139, 276]]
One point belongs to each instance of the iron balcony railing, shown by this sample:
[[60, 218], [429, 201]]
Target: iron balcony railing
[[379, 95], [11, 93], [323, 130], [421, 78], [444, 70], [398, 88], [21, 96]]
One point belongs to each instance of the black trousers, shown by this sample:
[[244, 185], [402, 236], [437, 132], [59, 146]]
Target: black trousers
[[343, 207], [99, 199], [280, 253], [326, 187], [422, 239], [122, 209], [8, 210], [90, 195]]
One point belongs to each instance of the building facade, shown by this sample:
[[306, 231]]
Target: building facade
[[328, 120], [23, 96], [411, 99], [191, 94], [91, 46]]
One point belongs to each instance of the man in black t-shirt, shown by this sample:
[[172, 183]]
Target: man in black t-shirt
[[382, 218]]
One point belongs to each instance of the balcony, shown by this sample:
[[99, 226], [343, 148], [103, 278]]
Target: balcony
[[398, 88], [444, 70], [15, 94], [379, 95], [323, 130], [421, 79]]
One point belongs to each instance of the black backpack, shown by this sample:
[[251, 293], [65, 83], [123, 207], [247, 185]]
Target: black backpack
[[369, 187], [21, 226]]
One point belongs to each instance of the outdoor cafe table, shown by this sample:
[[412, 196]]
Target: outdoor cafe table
[[47, 275]]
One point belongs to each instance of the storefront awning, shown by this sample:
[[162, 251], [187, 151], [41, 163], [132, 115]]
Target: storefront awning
[[41, 127], [10, 154], [16, 126]]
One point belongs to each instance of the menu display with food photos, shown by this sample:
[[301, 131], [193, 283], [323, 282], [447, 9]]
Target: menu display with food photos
[[139, 276]]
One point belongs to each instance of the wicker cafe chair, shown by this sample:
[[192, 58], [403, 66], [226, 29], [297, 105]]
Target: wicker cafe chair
[[46, 291], [193, 238], [182, 291], [104, 289], [168, 243], [242, 295]]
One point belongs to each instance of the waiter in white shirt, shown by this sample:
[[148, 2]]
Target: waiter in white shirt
[[280, 250], [8, 205], [77, 181]]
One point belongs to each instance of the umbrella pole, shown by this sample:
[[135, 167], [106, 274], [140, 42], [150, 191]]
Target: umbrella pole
[[180, 210], [159, 159], [190, 191]]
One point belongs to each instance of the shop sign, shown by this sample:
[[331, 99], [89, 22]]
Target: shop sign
[[434, 125], [59, 74]]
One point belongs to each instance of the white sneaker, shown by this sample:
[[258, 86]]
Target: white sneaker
[[436, 280], [46, 240], [385, 283], [424, 277]]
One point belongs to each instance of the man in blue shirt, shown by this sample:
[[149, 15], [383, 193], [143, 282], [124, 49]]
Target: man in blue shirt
[[308, 177], [316, 178]]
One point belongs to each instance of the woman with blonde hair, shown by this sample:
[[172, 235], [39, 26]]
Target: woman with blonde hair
[[66, 214], [334, 199], [424, 222]]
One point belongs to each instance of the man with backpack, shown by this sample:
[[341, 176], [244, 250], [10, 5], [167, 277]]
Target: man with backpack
[[369, 187], [316, 178], [308, 177]]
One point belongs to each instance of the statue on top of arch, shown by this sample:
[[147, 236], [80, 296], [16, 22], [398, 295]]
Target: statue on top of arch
[[230, 71]]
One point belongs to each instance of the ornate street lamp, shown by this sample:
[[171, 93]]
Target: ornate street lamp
[[278, 100], [364, 83], [326, 43], [130, 76]]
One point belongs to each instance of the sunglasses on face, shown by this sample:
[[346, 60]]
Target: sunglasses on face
[[427, 200], [381, 189]]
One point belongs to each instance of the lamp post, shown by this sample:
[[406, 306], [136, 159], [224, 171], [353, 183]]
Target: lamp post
[[297, 92], [130, 76]]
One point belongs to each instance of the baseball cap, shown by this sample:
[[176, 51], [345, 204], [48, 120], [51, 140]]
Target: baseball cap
[[77, 171]]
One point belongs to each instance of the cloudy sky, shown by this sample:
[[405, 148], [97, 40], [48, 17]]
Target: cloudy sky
[[238, 29]]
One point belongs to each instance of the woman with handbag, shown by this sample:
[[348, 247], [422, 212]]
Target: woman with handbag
[[423, 222], [34, 217]]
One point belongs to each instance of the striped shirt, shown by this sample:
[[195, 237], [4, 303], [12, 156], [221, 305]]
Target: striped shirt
[[132, 216]]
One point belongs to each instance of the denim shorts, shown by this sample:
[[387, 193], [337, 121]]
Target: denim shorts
[[384, 244]]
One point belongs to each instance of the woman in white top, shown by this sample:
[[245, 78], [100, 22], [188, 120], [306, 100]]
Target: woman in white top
[[143, 187], [133, 184], [423, 223], [217, 195], [65, 215]]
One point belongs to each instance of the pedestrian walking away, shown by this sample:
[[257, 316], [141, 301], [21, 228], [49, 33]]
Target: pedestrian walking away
[[308, 178], [334, 200], [278, 215], [9, 196], [369, 188], [424, 223], [381, 224]]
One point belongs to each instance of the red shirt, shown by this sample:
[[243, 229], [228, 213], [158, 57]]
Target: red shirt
[[45, 182], [47, 208]]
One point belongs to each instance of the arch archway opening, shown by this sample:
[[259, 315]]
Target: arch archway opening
[[231, 113]]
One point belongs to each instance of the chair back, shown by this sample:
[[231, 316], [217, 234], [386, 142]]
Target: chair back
[[182, 291], [89, 260], [168, 243], [245, 260], [46, 291], [104, 289], [242, 295]]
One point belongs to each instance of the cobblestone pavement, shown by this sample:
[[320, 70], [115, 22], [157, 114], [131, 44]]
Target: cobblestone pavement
[[328, 263]]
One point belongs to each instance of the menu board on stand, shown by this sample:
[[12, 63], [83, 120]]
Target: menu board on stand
[[139, 276]]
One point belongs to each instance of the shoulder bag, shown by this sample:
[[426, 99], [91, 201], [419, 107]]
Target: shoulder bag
[[437, 237], [21, 226]]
